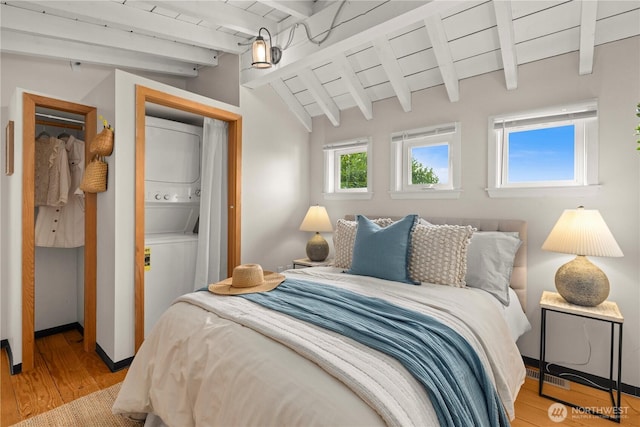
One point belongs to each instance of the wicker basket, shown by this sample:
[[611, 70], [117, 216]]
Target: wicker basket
[[102, 144], [94, 179]]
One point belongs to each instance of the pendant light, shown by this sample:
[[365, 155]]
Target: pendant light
[[264, 56]]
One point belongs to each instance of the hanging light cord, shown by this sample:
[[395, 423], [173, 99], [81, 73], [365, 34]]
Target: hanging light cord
[[306, 30]]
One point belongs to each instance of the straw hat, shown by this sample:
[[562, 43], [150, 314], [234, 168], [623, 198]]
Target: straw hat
[[246, 279]]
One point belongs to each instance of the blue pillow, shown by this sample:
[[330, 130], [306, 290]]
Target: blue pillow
[[383, 252]]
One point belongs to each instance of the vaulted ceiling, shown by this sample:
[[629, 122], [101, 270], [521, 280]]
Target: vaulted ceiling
[[368, 50]]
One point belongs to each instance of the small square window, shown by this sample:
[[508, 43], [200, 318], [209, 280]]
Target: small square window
[[541, 155], [544, 149], [352, 173], [426, 162], [347, 170]]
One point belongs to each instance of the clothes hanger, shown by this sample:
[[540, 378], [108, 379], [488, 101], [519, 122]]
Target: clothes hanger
[[44, 133], [64, 135]]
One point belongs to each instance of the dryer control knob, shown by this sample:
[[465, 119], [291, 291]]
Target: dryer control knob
[[167, 197], [157, 196]]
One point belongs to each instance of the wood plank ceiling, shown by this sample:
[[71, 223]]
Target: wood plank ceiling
[[373, 50]]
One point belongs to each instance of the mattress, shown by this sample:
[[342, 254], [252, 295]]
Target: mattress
[[221, 360]]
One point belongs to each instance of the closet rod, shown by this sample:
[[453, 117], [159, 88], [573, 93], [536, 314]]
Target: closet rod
[[59, 125], [65, 119]]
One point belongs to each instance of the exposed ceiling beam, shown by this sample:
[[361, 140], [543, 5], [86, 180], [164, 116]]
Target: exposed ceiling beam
[[320, 95], [504, 21], [393, 71], [292, 102], [144, 22], [298, 9], [440, 46], [587, 35], [222, 14], [366, 23], [45, 47], [354, 85], [47, 25]]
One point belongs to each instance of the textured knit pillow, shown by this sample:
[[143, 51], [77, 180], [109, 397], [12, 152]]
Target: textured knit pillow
[[345, 236], [383, 252], [439, 254]]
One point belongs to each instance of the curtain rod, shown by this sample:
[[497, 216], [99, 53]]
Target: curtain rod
[[65, 119]]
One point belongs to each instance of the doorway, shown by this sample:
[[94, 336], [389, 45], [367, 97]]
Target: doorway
[[30, 103], [146, 95]]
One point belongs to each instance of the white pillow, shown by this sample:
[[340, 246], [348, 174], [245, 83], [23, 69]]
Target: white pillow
[[344, 238], [439, 254], [490, 262]]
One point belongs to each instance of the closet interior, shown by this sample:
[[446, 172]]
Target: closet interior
[[59, 210]]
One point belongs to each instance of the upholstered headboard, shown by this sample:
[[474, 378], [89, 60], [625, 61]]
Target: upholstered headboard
[[519, 274]]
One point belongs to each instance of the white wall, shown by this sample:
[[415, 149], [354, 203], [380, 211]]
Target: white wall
[[275, 183], [274, 159], [101, 95], [116, 241], [221, 82], [11, 261], [277, 189], [56, 78], [56, 287], [551, 82]]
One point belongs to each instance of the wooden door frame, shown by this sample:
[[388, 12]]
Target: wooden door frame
[[30, 103], [234, 161]]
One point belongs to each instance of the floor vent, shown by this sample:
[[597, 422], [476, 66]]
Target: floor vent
[[549, 379]]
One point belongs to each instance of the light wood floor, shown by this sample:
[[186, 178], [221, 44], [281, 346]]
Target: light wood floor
[[64, 372]]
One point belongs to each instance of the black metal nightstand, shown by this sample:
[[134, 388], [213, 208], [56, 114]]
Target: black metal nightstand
[[606, 312]]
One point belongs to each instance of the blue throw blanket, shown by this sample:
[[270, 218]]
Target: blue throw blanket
[[438, 357]]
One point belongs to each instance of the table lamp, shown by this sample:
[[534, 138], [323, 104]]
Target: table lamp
[[582, 232], [317, 220]]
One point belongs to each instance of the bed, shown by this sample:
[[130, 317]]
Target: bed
[[214, 360]]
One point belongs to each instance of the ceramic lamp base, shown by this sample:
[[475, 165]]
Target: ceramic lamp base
[[317, 248], [581, 282]]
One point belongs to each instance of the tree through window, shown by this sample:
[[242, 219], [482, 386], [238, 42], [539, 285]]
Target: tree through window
[[426, 159], [347, 169], [353, 170]]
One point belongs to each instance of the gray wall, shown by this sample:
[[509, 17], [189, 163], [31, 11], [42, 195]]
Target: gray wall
[[546, 83], [221, 82]]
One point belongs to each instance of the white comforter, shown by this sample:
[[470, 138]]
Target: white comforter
[[220, 361]]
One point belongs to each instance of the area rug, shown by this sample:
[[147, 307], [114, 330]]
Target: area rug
[[92, 410]]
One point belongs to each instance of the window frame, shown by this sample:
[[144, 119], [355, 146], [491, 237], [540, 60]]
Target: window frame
[[401, 145], [332, 153], [584, 117]]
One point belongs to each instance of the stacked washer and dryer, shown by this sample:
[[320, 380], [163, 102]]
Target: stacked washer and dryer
[[172, 205]]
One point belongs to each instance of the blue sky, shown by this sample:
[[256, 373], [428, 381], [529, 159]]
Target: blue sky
[[436, 157], [542, 154], [534, 155]]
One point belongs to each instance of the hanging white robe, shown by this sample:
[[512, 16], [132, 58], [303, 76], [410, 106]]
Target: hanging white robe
[[63, 226]]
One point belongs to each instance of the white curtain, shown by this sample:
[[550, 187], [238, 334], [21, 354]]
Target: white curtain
[[211, 259]]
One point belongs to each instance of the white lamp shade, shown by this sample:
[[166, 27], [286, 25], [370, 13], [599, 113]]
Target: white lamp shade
[[582, 232], [316, 219]]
